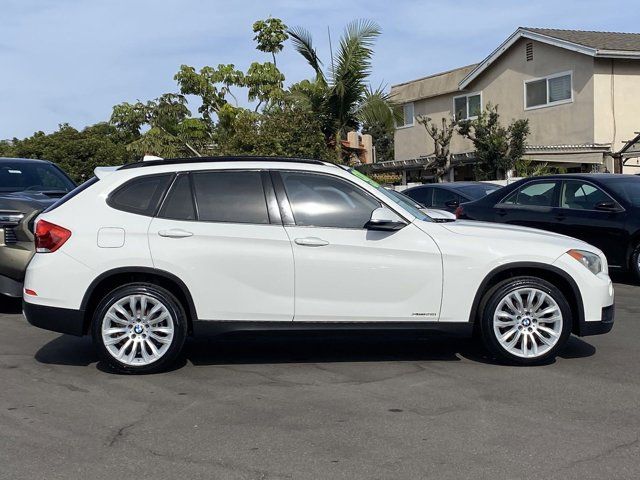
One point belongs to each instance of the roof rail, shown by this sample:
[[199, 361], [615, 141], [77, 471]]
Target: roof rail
[[246, 158]]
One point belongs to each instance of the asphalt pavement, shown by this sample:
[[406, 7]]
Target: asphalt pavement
[[300, 405]]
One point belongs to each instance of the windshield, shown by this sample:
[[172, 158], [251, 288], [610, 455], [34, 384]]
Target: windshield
[[478, 191], [626, 188], [408, 204], [38, 177]]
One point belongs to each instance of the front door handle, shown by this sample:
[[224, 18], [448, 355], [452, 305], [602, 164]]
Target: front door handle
[[560, 216], [175, 233], [311, 242], [502, 212]]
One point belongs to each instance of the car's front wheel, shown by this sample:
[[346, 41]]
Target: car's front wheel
[[525, 321], [139, 328]]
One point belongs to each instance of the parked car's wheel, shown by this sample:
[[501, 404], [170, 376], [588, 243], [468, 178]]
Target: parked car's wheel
[[139, 328], [634, 266], [525, 321]]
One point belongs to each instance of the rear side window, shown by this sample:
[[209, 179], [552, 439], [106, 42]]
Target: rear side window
[[141, 195], [233, 197], [179, 202]]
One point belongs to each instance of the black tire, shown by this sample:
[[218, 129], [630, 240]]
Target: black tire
[[634, 267], [490, 304], [178, 319]]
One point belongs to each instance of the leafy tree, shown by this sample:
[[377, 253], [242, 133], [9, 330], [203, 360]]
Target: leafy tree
[[342, 98], [284, 130], [77, 152], [170, 130], [441, 137], [498, 148], [270, 36]]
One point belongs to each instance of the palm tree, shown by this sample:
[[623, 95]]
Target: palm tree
[[342, 97]]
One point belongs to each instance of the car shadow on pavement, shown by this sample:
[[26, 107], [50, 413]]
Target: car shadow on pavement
[[272, 347], [10, 305], [623, 278]]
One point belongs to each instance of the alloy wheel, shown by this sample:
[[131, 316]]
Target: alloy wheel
[[527, 322], [137, 330]]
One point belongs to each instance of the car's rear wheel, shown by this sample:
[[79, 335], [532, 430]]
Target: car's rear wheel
[[139, 328], [525, 321]]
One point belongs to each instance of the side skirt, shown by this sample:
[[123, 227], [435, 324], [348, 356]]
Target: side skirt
[[204, 327]]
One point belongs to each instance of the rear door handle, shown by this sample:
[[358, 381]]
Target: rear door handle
[[560, 216], [175, 233], [502, 212], [311, 242]]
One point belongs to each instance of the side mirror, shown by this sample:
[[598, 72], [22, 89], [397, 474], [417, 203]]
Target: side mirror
[[607, 206], [452, 204], [384, 219]]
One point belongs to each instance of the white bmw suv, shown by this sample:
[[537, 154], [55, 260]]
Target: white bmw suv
[[142, 255]]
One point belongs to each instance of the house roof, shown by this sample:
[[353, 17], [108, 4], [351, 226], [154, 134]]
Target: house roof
[[430, 86], [627, 42], [594, 44]]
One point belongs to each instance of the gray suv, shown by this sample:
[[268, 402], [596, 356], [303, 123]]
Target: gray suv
[[27, 187]]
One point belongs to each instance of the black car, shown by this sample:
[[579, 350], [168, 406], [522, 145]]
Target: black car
[[26, 188], [602, 209], [447, 196]]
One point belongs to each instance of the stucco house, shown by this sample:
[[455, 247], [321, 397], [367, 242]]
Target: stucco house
[[580, 91]]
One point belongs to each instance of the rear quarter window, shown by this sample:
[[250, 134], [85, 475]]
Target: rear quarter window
[[141, 195]]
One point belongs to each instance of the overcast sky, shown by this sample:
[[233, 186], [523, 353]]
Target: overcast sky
[[72, 60]]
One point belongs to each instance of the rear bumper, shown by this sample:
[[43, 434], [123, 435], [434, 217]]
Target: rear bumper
[[62, 320], [598, 328], [10, 287]]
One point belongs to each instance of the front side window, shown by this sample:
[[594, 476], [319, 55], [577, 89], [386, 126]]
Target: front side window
[[233, 197], [539, 194], [407, 115], [548, 91], [140, 195], [467, 107], [325, 201], [581, 195]]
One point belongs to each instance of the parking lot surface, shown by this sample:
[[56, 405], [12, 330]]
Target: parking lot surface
[[322, 406]]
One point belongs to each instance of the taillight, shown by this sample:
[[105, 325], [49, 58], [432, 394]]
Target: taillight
[[50, 237], [459, 213]]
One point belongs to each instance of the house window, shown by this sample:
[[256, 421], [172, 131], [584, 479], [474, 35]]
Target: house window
[[467, 107], [551, 90], [407, 116]]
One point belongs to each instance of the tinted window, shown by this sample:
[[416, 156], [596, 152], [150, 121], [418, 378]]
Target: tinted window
[[441, 197], [179, 202], [421, 195], [538, 194], [234, 197], [324, 201], [16, 176], [581, 195], [141, 195]]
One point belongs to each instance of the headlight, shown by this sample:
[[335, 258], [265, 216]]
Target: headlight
[[588, 259]]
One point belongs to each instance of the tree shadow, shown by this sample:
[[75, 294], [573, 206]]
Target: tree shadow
[[10, 305], [273, 347]]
